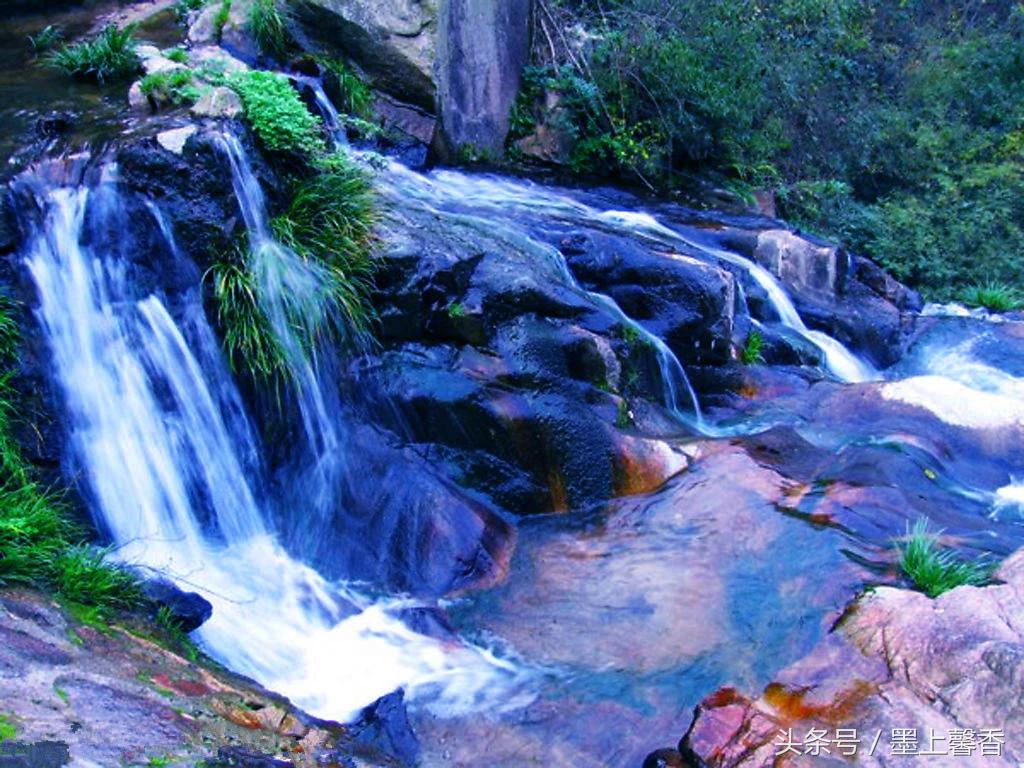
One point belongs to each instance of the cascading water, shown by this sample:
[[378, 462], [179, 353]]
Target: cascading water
[[502, 196], [166, 454]]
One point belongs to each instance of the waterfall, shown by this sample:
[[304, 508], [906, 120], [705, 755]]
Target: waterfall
[[332, 120], [164, 451]]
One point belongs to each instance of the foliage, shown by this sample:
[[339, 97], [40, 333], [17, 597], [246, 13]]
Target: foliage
[[934, 570], [109, 55], [997, 297], [330, 221], [269, 27], [249, 341], [356, 96], [177, 55], [895, 127], [174, 86], [751, 354], [276, 113], [7, 729], [456, 310], [46, 38], [221, 19]]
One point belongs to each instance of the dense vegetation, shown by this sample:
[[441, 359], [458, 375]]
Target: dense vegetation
[[896, 126], [108, 56]]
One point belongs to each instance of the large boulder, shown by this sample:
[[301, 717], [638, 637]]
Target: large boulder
[[457, 60]]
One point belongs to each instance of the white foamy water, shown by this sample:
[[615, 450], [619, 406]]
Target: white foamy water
[[165, 451], [962, 390]]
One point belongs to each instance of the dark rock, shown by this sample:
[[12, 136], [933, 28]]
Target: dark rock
[[686, 302], [55, 124], [665, 758], [187, 609], [384, 726]]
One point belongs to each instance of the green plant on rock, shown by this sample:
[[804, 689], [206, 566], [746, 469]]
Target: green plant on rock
[[222, 17], [175, 86], [623, 418], [456, 310], [182, 8], [83, 575], [177, 55], [994, 296], [932, 569], [109, 55], [752, 350], [276, 113], [269, 27], [8, 730]]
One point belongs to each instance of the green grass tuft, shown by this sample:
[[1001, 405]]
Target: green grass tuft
[[248, 338], [8, 730], [277, 114], [177, 55], [176, 86], [84, 576], [269, 27], [356, 96], [997, 297], [934, 570], [46, 39], [108, 56], [751, 354], [221, 19]]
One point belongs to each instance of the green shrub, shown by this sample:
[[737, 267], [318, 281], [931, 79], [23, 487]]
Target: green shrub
[[268, 27], [110, 55], [933, 570], [994, 296], [330, 221], [277, 114], [175, 86], [751, 354]]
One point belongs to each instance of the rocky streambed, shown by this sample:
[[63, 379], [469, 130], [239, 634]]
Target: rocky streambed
[[557, 503]]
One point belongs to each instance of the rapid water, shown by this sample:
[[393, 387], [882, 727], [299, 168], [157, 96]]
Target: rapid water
[[501, 198], [168, 462]]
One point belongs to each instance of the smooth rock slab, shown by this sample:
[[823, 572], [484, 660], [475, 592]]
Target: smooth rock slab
[[174, 140]]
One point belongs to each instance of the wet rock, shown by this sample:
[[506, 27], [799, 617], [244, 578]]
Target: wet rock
[[664, 758], [187, 609], [174, 140], [385, 726], [801, 263], [137, 99], [239, 757], [203, 30], [897, 660], [218, 102], [687, 302], [393, 43]]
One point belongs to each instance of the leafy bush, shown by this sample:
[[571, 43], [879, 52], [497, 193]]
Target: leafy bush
[[933, 570], [277, 114], [175, 86], [268, 27], [111, 54]]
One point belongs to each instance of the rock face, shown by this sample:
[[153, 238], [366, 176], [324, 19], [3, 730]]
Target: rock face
[[482, 48], [948, 670], [115, 698], [458, 60]]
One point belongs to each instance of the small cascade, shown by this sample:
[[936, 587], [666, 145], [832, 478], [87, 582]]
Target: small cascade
[[444, 199], [165, 454], [499, 196], [332, 119]]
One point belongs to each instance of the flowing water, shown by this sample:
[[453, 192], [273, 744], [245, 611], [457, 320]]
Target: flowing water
[[618, 620], [175, 481]]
